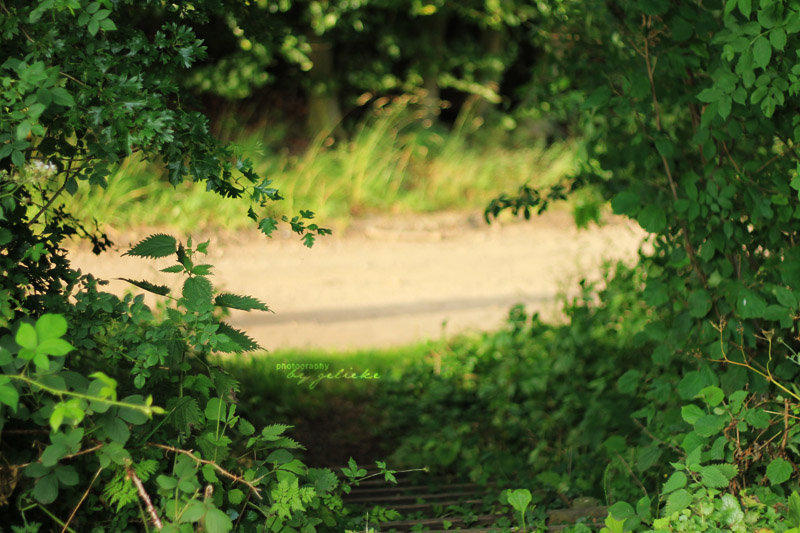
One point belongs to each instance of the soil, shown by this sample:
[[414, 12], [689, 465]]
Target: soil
[[391, 280]]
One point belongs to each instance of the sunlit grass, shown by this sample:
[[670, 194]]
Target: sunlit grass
[[392, 163]]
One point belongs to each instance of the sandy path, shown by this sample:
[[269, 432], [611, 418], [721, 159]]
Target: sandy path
[[393, 280]]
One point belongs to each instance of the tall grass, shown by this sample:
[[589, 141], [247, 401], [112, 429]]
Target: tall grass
[[395, 162]]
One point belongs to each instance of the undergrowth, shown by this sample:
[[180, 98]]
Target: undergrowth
[[394, 162]]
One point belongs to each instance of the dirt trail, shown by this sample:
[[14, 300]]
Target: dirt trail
[[390, 281]]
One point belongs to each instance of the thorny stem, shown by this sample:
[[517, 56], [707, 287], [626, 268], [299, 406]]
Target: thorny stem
[[130, 474], [215, 466], [149, 410]]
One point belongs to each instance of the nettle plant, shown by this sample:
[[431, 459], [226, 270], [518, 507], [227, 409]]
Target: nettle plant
[[113, 416], [194, 461], [691, 128]]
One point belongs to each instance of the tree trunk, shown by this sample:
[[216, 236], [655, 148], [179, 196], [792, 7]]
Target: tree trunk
[[434, 27], [324, 114]]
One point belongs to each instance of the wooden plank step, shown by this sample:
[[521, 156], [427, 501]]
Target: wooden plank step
[[412, 497], [477, 520], [420, 506], [402, 488]]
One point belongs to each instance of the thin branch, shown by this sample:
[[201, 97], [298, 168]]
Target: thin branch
[[83, 498], [72, 455], [215, 466], [52, 199], [130, 474]]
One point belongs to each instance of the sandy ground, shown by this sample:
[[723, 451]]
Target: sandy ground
[[393, 280]]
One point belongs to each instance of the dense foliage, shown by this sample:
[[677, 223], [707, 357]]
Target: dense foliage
[[114, 416], [690, 129]]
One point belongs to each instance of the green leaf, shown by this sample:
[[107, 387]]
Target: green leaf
[[519, 499], [762, 51], [793, 503], [677, 501], [154, 246], [9, 395], [216, 521], [54, 347], [240, 341], [625, 203], [691, 413], [676, 481], [235, 496], [777, 37], [744, 7], [712, 476], [652, 219], [712, 395], [216, 409], [50, 326], [629, 381], [161, 290], [197, 293], [699, 303], [274, 431], [26, 336], [46, 489], [324, 479], [779, 471], [621, 511], [709, 425], [235, 301], [62, 97]]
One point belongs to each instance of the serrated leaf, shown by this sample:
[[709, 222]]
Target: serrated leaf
[[197, 293], [46, 489], [324, 480], [677, 501], [691, 413], [676, 481], [519, 499], [274, 431], [236, 301], [62, 97], [762, 51], [779, 471], [241, 341], [154, 246], [161, 290], [712, 476]]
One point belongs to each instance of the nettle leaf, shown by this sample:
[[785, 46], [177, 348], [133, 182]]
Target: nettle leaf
[[274, 431], [713, 476], [699, 303], [779, 471], [236, 301], [676, 481], [161, 290], [677, 501], [323, 479], [240, 341], [197, 293], [709, 425], [154, 246]]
